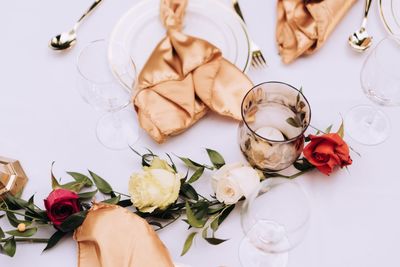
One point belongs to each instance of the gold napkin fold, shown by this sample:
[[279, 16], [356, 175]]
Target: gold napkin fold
[[112, 236], [184, 77], [302, 27]]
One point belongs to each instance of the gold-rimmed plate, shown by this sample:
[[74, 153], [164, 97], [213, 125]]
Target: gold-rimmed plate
[[140, 30], [390, 15]]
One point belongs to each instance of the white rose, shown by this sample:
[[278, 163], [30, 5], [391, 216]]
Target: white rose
[[155, 187], [234, 181]]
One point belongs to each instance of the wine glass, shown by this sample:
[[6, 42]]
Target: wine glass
[[107, 87], [275, 219], [380, 81]]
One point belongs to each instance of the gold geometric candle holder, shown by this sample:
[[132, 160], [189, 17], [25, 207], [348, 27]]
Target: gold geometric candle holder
[[12, 177]]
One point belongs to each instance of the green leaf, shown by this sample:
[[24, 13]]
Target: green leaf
[[294, 122], [340, 132], [73, 186], [214, 224], [10, 247], [73, 221], [303, 165], [31, 202], [13, 219], [27, 233], [81, 178], [189, 192], [54, 239], [15, 203], [188, 243], [2, 235], [215, 241], [101, 184], [125, 203], [225, 213], [196, 175], [87, 195], [204, 233], [329, 129], [172, 163], [113, 200], [192, 219], [190, 163], [54, 183], [216, 158]]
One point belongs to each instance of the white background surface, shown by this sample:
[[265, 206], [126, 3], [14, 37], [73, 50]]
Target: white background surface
[[355, 215]]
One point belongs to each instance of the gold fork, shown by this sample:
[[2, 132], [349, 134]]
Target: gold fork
[[257, 58]]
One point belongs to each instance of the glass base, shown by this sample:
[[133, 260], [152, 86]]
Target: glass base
[[250, 256], [118, 130], [367, 125]]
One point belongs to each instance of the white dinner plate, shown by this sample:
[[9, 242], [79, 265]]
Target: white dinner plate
[[140, 30], [390, 15]]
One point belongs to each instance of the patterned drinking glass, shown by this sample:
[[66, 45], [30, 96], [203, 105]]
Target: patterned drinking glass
[[275, 117]]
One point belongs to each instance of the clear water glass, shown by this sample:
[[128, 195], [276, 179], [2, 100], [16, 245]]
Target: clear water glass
[[275, 220], [108, 88], [380, 81]]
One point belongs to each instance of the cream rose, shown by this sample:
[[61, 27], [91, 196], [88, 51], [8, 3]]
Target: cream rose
[[234, 181], [155, 187]]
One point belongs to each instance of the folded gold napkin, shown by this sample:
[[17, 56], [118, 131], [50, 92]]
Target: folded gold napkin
[[184, 77], [112, 236], [303, 26]]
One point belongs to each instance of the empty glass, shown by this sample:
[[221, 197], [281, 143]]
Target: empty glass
[[275, 117], [380, 81], [107, 87], [275, 220]]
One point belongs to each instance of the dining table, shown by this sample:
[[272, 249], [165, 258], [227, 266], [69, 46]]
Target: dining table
[[355, 212]]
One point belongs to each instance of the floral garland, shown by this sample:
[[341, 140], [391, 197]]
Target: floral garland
[[160, 194]]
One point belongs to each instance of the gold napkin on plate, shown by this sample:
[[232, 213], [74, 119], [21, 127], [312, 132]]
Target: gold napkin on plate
[[183, 78], [112, 236], [303, 26]]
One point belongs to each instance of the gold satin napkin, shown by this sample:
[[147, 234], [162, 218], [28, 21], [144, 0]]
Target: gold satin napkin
[[183, 78], [112, 236], [302, 27]]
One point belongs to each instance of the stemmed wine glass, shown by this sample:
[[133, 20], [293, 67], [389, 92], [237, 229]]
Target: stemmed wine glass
[[275, 219], [107, 85], [380, 81]]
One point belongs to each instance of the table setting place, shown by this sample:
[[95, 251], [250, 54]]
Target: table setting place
[[188, 133]]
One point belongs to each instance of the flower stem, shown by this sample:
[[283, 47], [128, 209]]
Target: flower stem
[[27, 240], [169, 223], [19, 213]]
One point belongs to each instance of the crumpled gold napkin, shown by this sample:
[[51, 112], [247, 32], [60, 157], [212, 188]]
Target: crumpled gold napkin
[[303, 26], [184, 77], [112, 236]]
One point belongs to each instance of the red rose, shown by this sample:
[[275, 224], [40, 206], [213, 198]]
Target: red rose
[[60, 204], [326, 152]]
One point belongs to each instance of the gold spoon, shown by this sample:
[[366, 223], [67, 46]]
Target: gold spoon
[[361, 40], [66, 40]]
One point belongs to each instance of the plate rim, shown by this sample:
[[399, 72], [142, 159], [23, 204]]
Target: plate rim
[[384, 19], [221, 5]]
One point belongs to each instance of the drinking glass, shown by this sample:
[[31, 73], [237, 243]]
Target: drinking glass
[[380, 81], [107, 87], [275, 219], [275, 117]]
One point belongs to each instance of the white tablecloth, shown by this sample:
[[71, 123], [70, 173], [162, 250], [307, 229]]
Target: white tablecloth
[[355, 214]]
